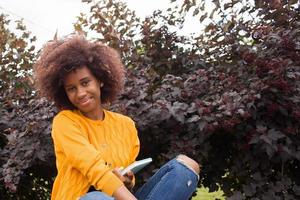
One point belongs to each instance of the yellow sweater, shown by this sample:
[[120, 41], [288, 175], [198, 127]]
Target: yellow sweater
[[87, 150]]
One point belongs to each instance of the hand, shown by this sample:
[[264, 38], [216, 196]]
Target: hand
[[127, 179]]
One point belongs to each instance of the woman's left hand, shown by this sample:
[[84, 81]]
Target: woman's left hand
[[127, 179]]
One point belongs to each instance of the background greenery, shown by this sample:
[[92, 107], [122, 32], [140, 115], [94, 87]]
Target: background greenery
[[228, 96]]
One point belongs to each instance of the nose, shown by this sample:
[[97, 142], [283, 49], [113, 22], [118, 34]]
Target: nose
[[81, 92]]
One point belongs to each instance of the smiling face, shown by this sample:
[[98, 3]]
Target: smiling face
[[83, 91]]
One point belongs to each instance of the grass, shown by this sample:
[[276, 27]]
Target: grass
[[204, 194]]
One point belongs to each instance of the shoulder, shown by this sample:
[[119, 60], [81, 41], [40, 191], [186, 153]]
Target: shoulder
[[66, 115], [118, 117], [123, 123]]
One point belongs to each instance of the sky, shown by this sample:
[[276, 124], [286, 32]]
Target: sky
[[44, 17]]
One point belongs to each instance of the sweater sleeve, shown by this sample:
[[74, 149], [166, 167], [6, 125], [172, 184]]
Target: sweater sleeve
[[135, 144], [135, 141], [74, 143]]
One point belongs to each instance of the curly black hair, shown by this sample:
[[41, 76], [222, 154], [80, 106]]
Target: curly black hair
[[61, 56]]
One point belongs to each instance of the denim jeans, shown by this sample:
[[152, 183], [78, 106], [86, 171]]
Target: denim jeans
[[173, 181]]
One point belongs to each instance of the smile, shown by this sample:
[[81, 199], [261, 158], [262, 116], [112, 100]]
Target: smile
[[85, 102]]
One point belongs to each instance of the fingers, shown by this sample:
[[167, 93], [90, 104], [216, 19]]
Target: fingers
[[129, 175], [129, 180], [126, 179], [118, 174]]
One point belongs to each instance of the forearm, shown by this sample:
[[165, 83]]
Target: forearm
[[122, 193]]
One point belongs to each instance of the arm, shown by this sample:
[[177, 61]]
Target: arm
[[122, 193], [135, 148], [127, 179], [80, 154], [135, 142]]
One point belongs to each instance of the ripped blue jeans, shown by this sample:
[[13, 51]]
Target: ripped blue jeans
[[173, 181]]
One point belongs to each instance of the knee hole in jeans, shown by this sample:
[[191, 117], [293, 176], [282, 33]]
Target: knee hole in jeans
[[188, 162]]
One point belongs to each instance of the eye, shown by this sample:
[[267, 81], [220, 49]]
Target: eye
[[85, 83], [70, 89]]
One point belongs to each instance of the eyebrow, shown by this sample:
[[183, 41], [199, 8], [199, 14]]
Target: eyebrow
[[85, 78], [82, 79]]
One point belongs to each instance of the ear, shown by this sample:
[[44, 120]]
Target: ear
[[100, 83]]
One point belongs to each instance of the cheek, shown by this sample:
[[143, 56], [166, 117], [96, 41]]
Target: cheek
[[70, 96]]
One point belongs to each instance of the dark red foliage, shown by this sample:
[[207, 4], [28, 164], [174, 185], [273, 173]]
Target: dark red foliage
[[272, 109], [287, 44], [229, 98], [249, 58], [296, 115], [281, 85]]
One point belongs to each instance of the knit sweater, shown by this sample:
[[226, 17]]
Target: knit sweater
[[87, 150]]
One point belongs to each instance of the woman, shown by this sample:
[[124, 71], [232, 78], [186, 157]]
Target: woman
[[90, 142]]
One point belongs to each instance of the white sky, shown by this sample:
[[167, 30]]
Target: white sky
[[44, 17]]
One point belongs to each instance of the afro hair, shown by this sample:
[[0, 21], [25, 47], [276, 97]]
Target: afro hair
[[61, 56]]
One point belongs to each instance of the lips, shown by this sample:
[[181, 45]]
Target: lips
[[84, 102]]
